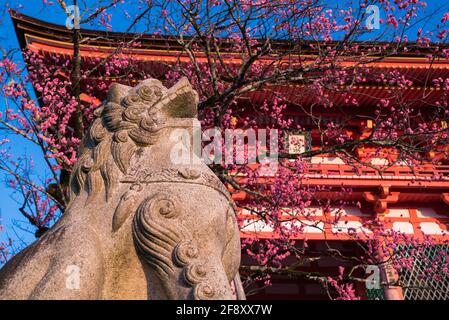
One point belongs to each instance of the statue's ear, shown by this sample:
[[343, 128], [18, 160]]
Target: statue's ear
[[117, 91], [180, 101]]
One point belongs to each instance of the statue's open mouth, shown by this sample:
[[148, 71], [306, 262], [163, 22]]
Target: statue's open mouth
[[180, 101]]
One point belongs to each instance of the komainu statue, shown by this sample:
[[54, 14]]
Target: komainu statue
[[139, 225]]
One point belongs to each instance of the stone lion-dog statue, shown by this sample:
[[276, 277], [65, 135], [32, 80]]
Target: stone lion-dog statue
[[137, 226]]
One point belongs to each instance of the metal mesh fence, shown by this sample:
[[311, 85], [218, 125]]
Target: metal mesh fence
[[417, 282]]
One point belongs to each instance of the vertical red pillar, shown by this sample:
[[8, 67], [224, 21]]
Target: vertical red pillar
[[390, 276]]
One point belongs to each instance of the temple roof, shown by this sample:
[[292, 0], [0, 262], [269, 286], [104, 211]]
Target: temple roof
[[30, 30], [156, 51]]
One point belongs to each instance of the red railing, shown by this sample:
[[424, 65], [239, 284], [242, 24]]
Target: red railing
[[425, 172]]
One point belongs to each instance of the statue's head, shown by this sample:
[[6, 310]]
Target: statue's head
[[141, 112], [131, 119]]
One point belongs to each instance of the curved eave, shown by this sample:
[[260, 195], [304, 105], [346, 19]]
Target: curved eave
[[41, 35]]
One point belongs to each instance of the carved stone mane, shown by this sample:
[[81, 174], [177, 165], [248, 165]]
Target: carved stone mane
[[131, 119]]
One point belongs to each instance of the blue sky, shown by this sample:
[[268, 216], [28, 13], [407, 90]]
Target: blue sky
[[8, 207]]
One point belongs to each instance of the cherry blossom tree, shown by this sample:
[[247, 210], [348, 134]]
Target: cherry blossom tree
[[230, 50]]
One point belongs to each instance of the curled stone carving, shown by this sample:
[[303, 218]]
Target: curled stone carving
[[194, 273], [97, 112], [155, 238], [190, 174], [204, 291], [165, 207], [143, 136], [149, 124], [120, 136], [130, 100], [133, 113], [149, 94], [185, 252], [98, 131]]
